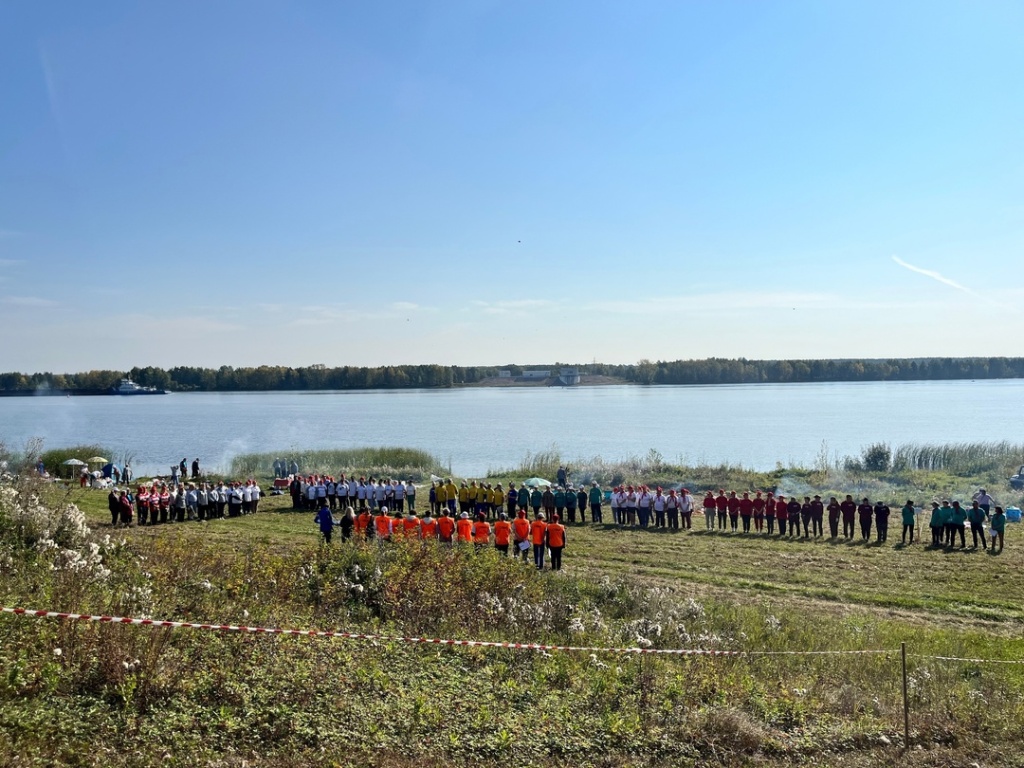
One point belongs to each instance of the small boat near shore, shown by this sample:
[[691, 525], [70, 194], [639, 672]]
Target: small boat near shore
[[129, 387]]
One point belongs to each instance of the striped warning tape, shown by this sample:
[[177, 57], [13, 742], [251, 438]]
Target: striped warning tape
[[162, 623], [959, 658]]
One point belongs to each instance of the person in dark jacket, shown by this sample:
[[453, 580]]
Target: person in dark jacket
[[865, 510], [882, 521]]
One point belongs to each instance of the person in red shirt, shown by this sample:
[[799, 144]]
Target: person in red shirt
[[769, 512], [746, 510], [733, 505], [709, 511], [521, 534], [781, 513], [759, 505], [556, 542], [502, 533], [538, 534], [721, 504]]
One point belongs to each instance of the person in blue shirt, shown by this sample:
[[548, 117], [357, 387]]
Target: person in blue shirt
[[325, 520]]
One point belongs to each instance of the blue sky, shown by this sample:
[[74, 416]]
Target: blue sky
[[241, 183]]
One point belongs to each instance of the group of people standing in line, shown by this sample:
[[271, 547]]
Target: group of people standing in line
[[513, 537], [163, 503]]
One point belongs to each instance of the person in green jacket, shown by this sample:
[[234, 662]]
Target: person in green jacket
[[946, 518], [998, 525], [536, 497], [959, 521], [935, 523], [596, 497], [909, 518], [977, 516], [560, 502]]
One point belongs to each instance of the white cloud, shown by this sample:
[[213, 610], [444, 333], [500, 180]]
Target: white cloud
[[27, 301], [934, 276], [514, 306]]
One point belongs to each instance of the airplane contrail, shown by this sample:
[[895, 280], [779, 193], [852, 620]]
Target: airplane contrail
[[934, 276]]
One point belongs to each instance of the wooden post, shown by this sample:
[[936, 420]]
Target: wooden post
[[906, 700]]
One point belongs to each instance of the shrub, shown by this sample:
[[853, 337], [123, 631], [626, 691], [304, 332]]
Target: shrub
[[877, 457]]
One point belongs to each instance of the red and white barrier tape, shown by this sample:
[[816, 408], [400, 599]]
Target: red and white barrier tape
[[417, 640], [958, 658]]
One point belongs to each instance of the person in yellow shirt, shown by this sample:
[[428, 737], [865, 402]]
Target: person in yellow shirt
[[452, 493], [471, 498], [441, 496], [497, 500], [464, 497]]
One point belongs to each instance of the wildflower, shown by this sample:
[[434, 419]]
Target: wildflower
[[58, 652]]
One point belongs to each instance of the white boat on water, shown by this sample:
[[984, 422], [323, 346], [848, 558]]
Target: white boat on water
[[129, 387]]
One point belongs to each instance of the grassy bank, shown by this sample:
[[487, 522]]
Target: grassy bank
[[394, 462], [121, 695]]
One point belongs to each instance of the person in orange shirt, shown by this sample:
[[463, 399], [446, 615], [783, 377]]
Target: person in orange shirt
[[481, 532], [397, 529], [464, 529], [521, 534], [538, 531], [411, 526], [556, 542], [445, 527], [502, 533], [363, 529], [428, 528], [382, 525]]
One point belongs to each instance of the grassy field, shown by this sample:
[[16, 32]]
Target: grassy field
[[118, 695]]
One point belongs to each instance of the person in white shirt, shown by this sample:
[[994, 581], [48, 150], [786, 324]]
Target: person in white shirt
[[686, 508], [672, 510], [311, 494], [379, 493], [247, 498], [659, 508], [341, 491], [410, 495], [398, 495], [643, 506], [256, 493], [332, 493]]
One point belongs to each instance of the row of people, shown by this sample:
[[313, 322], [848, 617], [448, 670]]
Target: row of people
[[162, 503], [313, 491], [513, 537]]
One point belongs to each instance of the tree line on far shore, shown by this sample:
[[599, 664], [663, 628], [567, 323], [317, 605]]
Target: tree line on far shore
[[709, 371]]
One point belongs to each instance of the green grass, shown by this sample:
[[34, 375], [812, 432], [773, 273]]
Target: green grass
[[121, 695], [391, 462]]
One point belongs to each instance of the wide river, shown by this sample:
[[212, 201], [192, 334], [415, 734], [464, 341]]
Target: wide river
[[476, 429]]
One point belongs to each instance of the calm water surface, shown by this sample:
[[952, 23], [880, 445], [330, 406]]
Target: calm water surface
[[754, 425]]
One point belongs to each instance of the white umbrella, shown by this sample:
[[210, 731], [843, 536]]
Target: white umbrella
[[73, 463], [98, 460]]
